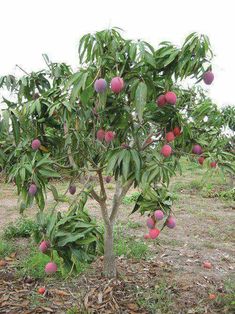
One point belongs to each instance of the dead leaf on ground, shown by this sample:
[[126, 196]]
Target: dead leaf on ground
[[60, 292], [3, 263], [133, 306], [100, 297], [47, 309]]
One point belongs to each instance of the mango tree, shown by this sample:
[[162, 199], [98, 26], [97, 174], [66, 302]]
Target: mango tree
[[122, 116]]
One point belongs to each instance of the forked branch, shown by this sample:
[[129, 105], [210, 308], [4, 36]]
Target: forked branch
[[103, 194], [120, 192]]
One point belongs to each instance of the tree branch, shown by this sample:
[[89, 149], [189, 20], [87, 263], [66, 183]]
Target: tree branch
[[103, 207], [146, 144], [95, 196], [69, 150], [103, 194], [22, 70], [62, 166], [120, 192]]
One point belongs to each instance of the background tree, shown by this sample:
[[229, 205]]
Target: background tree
[[114, 117]]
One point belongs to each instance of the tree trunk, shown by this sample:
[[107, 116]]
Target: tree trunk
[[110, 270], [109, 256], [69, 150]]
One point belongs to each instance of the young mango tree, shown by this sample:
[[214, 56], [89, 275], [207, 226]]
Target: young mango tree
[[123, 116]]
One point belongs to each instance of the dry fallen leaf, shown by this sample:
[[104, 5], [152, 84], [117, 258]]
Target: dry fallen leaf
[[4, 298], [132, 306], [9, 259], [47, 309], [13, 255], [60, 292], [100, 297], [86, 298], [2, 263], [108, 289]]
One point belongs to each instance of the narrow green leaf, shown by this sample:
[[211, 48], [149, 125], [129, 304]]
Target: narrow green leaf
[[126, 164], [140, 99], [48, 173]]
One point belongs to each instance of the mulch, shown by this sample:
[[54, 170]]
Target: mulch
[[90, 293]]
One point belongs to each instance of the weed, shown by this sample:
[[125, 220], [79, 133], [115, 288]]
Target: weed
[[171, 242], [130, 199], [179, 186], [109, 186], [196, 185], [23, 227], [134, 225], [37, 299], [228, 195], [34, 264], [227, 301], [209, 245], [6, 248], [131, 248], [157, 300], [73, 310]]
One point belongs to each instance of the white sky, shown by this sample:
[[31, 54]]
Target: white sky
[[30, 28]]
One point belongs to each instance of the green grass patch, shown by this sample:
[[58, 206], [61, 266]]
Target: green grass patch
[[131, 248], [76, 310], [134, 225], [196, 185], [109, 186], [127, 245], [36, 300], [130, 199], [34, 264], [227, 301], [6, 248], [171, 242], [209, 245], [157, 300], [23, 227], [210, 191], [179, 186]]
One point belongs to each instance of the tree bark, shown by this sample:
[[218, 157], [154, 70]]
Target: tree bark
[[110, 270], [109, 218]]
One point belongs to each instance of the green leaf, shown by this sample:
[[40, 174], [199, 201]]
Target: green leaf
[[48, 173], [16, 128], [150, 59], [54, 192], [81, 255], [79, 84], [136, 158], [102, 99], [171, 58], [22, 174], [132, 51], [140, 99], [88, 240], [112, 161], [38, 106], [43, 161], [126, 164], [40, 199], [51, 225], [74, 78], [137, 205], [70, 238]]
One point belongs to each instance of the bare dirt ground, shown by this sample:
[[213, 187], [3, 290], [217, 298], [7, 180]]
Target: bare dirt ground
[[205, 232]]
